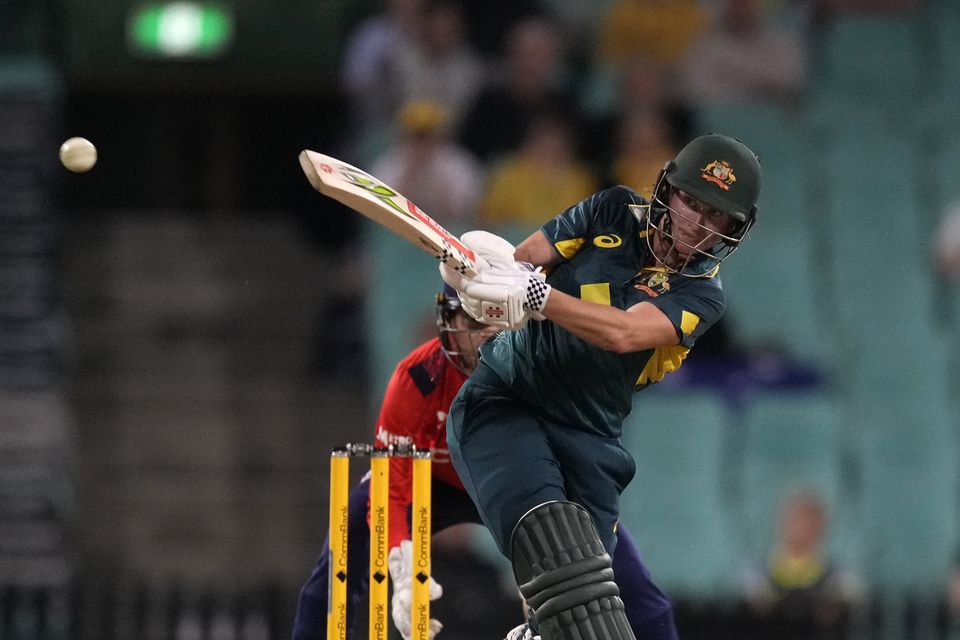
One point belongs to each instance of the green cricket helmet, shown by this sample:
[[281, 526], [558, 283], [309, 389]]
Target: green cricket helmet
[[719, 171]]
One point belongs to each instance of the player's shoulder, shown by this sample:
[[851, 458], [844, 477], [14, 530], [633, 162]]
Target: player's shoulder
[[424, 367], [709, 289], [619, 206], [621, 194], [423, 352], [617, 200]]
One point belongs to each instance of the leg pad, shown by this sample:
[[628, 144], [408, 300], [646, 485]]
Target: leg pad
[[566, 575]]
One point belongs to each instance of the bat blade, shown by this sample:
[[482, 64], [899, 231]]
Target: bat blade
[[384, 205]]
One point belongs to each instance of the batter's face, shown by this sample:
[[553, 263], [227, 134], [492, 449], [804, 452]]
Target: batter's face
[[695, 225]]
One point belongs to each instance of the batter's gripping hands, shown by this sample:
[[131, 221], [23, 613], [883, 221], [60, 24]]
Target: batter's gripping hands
[[487, 300], [497, 251], [489, 305], [499, 254], [400, 563], [522, 281]]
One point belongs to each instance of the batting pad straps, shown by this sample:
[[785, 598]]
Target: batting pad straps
[[566, 575], [571, 586]]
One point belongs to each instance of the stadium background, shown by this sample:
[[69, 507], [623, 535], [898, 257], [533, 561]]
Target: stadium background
[[166, 411]]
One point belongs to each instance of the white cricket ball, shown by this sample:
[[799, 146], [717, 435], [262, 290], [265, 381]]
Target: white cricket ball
[[78, 154]]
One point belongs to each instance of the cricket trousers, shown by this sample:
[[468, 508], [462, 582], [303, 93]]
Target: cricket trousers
[[511, 460]]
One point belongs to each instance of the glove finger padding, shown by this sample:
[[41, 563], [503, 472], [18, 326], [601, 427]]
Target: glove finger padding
[[532, 284], [500, 304], [497, 251], [489, 312], [451, 276]]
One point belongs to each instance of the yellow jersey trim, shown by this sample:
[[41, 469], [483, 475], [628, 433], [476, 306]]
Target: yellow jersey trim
[[599, 292], [569, 248]]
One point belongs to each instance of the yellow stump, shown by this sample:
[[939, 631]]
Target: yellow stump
[[379, 526], [420, 614], [337, 580]]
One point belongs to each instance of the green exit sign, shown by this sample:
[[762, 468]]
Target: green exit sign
[[180, 30]]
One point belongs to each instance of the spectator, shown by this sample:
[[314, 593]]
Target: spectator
[[660, 30], [799, 585], [531, 82], [644, 145], [440, 64], [544, 175], [369, 71], [743, 56], [441, 177], [639, 86], [490, 22], [947, 244]]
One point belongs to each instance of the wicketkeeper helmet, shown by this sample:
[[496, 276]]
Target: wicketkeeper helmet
[[448, 307]]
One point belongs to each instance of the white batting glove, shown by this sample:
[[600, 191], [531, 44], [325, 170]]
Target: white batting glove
[[493, 306], [455, 279], [497, 251], [499, 255], [400, 564], [517, 287]]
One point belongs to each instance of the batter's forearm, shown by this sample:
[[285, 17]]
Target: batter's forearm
[[611, 328], [537, 250]]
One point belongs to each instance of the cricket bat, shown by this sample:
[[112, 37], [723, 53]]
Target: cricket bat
[[384, 205]]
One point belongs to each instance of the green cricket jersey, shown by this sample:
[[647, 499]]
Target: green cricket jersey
[[607, 261]]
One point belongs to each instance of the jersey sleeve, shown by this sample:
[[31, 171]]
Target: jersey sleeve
[[693, 308], [569, 230]]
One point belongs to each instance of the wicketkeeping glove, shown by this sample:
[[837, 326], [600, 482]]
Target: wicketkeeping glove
[[400, 564]]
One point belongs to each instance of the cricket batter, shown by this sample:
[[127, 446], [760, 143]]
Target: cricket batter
[[534, 433], [414, 412]]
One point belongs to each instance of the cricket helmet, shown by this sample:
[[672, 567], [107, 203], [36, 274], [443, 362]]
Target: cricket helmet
[[463, 353], [719, 171]]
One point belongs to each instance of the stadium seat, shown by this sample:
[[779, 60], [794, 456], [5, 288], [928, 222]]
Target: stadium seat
[[877, 57], [790, 442], [674, 506], [910, 518]]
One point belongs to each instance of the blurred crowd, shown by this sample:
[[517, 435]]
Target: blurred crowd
[[458, 105], [499, 115], [455, 103]]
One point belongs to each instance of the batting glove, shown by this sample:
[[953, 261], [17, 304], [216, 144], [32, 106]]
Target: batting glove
[[487, 302], [497, 251], [523, 280], [521, 293], [400, 564]]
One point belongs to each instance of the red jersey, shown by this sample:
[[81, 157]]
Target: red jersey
[[414, 411]]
